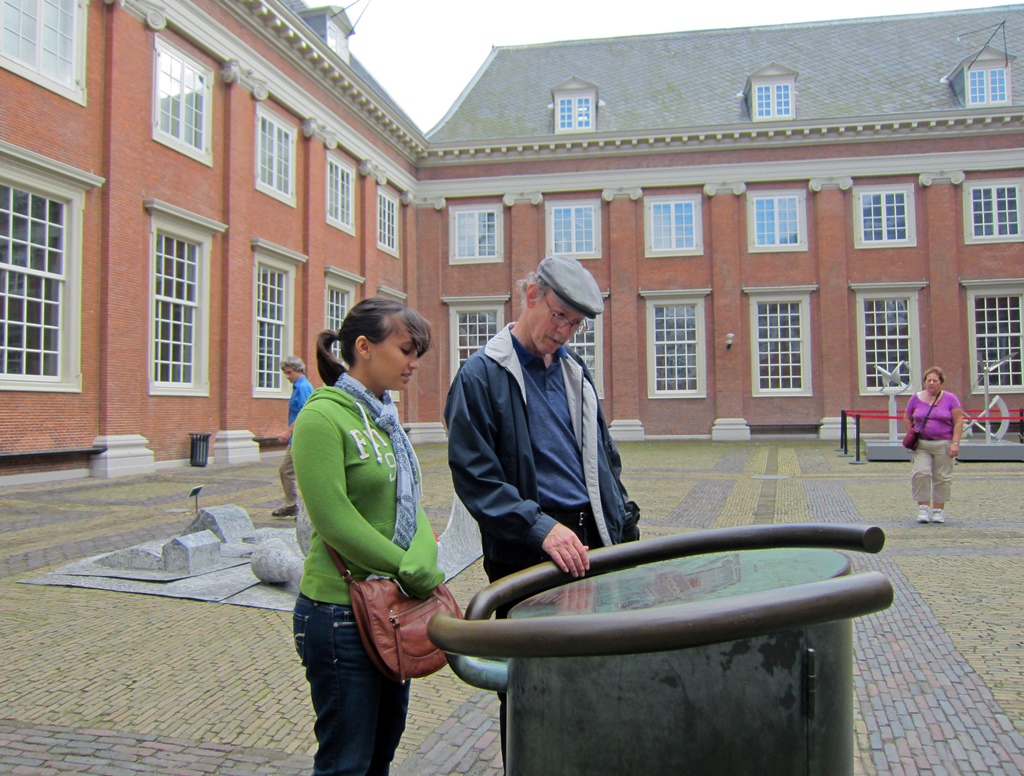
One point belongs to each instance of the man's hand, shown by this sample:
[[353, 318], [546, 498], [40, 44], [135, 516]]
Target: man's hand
[[566, 549], [284, 436]]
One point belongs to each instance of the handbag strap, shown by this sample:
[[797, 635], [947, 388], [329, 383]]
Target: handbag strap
[[339, 563], [928, 414]]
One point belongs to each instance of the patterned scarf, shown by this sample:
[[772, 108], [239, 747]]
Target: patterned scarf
[[385, 416]]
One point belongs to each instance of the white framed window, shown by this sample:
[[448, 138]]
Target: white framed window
[[275, 156], [471, 323], [339, 297], [995, 318], [884, 217], [589, 345], [340, 194], [274, 313], [182, 103], [987, 86], [993, 211], [574, 113], [673, 226], [773, 101], [780, 328], [179, 300], [44, 42], [888, 335], [574, 229], [42, 204], [475, 234], [387, 222], [676, 350], [776, 221]]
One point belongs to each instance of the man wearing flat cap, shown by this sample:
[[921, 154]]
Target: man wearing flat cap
[[528, 446], [530, 452]]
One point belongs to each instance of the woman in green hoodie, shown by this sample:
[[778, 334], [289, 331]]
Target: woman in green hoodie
[[360, 482]]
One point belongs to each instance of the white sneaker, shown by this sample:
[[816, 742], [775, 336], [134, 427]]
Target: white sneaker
[[937, 516], [924, 514]]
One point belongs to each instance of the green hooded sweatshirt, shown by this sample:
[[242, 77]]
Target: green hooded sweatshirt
[[346, 471]]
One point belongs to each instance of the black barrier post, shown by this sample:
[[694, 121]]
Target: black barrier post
[[856, 426], [844, 434]]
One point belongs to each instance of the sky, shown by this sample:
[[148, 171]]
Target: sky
[[425, 52]]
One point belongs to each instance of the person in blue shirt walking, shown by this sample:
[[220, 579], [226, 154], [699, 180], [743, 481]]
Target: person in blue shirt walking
[[294, 369]]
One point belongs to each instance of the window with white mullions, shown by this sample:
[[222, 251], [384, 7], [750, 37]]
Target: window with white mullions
[[573, 229], [339, 300], [675, 348], [776, 221], [41, 35], [998, 336], [176, 302], [780, 346], [575, 113], [387, 222], [32, 280], [986, 85], [339, 194], [673, 226], [587, 343], [275, 157], [475, 328], [884, 217], [476, 234], [887, 340], [183, 92], [271, 289], [996, 211]]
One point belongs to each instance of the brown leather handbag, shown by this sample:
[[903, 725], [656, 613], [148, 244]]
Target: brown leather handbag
[[393, 626]]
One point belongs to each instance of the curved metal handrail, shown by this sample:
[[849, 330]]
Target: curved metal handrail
[[545, 576], [664, 628], [471, 646]]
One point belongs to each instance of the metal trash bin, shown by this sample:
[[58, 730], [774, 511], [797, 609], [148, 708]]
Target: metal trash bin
[[715, 652], [199, 452]]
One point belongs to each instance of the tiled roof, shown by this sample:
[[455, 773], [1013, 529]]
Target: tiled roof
[[845, 69]]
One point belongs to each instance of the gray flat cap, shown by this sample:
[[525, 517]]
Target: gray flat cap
[[573, 285]]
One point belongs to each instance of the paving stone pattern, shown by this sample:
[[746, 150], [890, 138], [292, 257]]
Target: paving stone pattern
[[105, 683]]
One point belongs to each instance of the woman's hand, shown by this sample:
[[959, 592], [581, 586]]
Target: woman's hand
[[954, 449]]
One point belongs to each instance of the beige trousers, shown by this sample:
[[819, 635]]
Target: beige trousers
[[288, 479], [932, 472]]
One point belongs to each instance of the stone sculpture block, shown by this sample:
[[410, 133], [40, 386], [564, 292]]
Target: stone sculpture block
[[228, 522], [192, 552]]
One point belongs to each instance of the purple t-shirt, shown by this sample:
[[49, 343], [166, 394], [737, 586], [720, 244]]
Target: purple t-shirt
[[940, 422]]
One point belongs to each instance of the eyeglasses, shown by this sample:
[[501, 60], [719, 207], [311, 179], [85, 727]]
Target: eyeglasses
[[561, 320]]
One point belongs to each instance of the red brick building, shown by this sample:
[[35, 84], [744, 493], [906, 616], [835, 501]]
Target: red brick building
[[191, 190]]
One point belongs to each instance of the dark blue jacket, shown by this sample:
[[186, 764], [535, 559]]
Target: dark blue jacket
[[491, 457]]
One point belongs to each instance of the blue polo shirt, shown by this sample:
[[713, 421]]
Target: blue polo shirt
[[302, 389], [558, 460]]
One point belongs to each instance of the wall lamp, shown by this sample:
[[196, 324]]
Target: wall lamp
[[729, 340]]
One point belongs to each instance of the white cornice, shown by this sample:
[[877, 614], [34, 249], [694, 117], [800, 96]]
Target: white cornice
[[738, 174], [987, 283], [19, 158], [394, 293], [260, 76], [461, 300], [275, 251], [734, 137], [673, 292], [351, 277], [759, 290], [167, 210], [893, 286]]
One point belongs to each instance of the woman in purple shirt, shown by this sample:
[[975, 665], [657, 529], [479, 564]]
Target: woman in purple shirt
[[937, 415]]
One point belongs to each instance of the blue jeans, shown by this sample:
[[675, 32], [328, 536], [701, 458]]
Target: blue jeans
[[360, 714]]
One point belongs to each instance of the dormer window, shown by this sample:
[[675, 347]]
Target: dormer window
[[575, 106], [983, 79], [770, 94]]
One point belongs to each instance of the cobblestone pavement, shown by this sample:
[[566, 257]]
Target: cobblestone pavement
[[107, 683]]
